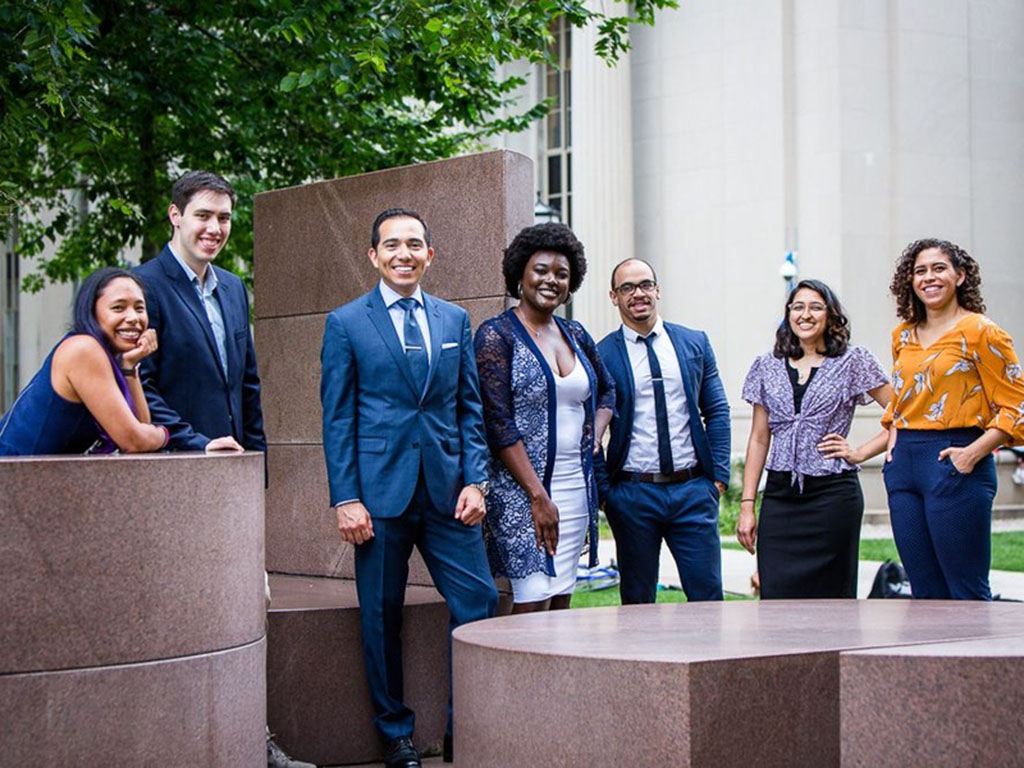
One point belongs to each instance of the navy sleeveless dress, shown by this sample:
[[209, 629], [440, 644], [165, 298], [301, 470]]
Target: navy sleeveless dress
[[43, 422]]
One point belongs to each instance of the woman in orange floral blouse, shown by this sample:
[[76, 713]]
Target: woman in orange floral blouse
[[959, 394]]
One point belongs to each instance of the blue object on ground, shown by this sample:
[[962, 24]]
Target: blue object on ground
[[597, 578]]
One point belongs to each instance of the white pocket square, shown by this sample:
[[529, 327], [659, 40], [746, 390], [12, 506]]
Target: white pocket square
[[449, 345]]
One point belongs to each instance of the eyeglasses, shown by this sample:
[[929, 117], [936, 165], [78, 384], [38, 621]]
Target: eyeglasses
[[644, 285], [799, 307]]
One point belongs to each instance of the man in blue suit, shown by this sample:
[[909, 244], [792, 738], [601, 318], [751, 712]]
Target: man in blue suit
[[202, 383], [406, 458], [668, 451]]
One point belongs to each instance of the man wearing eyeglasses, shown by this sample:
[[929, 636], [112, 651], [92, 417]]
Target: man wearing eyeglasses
[[668, 455]]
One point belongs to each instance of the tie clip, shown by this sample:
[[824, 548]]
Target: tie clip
[[408, 347]]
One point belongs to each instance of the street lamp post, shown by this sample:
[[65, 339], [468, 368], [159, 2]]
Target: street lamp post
[[789, 270], [544, 213]]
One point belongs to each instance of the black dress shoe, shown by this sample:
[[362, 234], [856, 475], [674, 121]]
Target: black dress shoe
[[400, 753], [447, 752]]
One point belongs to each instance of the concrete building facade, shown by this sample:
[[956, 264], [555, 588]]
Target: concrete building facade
[[843, 129]]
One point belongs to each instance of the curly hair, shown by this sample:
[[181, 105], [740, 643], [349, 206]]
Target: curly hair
[[837, 326], [557, 238], [968, 294]]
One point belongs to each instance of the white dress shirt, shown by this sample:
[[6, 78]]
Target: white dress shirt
[[643, 444], [397, 314]]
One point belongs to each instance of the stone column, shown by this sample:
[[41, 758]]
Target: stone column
[[602, 175], [132, 611], [311, 247]]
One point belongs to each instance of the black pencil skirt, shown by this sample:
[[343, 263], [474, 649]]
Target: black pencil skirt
[[807, 543]]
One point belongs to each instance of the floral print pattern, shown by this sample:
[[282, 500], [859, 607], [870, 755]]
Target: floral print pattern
[[969, 377], [840, 384], [519, 400]]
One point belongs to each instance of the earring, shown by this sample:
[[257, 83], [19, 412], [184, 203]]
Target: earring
[[519, 290]]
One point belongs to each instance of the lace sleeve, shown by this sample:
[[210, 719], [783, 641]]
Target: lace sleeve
[[494, 362], [605, 385]]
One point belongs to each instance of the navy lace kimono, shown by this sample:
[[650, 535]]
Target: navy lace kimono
[[518, 389]]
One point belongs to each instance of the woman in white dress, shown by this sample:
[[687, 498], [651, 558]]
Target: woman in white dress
[[547, 400]]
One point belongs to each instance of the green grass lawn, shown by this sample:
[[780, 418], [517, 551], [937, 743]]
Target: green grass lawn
[[611, 597], [1007, 550]]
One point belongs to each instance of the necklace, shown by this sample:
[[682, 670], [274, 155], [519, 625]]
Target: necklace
[[529, 326]]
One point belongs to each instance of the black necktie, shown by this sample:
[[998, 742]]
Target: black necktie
[[660, 408], [415, 349]]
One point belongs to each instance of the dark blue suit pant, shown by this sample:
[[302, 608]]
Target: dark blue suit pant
[[941, 519], [455, 556], [685, 516]]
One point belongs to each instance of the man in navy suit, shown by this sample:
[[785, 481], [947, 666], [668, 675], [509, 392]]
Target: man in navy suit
[[406, 458], [668, 452], [202, 383]]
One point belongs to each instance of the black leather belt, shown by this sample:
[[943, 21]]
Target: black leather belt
[[679, 476]]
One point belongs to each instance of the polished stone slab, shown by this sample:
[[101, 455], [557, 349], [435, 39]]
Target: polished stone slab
[[660, 684], [318, 700], [302, 532], [316, 236], [957, 704], [202, 710], [120, 559]]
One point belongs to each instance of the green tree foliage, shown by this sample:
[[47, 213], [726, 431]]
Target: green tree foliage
[[113, 98]]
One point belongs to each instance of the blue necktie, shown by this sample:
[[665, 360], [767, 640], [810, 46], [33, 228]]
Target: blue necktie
[[660, 408], [415, 349]]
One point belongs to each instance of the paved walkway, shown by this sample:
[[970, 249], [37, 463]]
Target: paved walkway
[[738, 566]]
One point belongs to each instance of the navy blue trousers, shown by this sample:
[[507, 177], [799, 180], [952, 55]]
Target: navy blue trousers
[[455, 556], [941, 519], [685, 516]]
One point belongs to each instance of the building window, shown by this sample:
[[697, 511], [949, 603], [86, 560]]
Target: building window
[[10, 277], [556, 128]]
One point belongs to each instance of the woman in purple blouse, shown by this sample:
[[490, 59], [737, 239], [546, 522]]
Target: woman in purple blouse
[[804, 394]]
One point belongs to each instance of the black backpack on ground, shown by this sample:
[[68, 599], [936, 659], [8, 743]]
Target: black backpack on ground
[[890, 582]]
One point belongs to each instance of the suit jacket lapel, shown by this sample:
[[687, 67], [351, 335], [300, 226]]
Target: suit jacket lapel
[[683, 371], [187, 293], [435, 320], [620, 345], [378, 314], [692, 398], [630, 403], [231, 322]]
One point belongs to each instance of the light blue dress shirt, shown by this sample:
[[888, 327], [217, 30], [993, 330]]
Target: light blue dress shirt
[[397, 314], [205, 293]]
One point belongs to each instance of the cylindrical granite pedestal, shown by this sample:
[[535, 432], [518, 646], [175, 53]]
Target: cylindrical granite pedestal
[[132, 613]]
